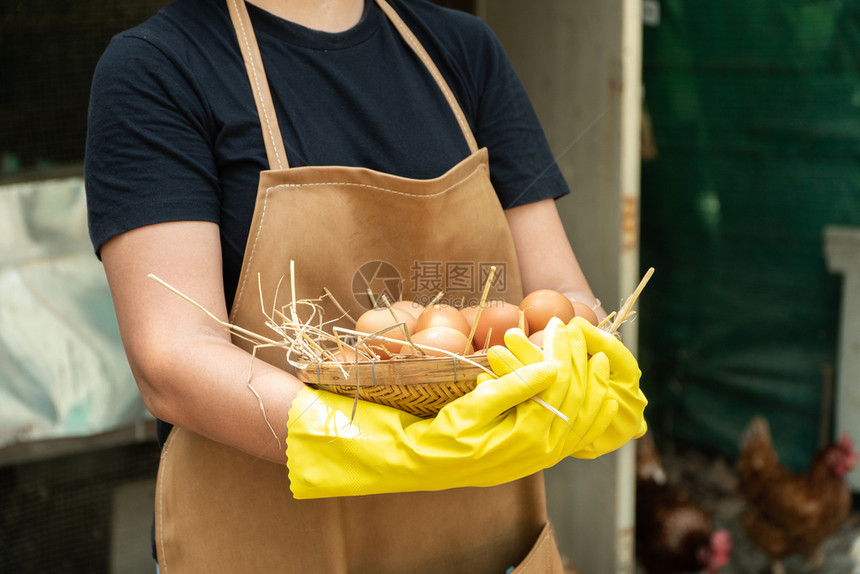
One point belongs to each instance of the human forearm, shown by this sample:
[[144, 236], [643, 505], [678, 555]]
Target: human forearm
[[188, 371], [213, 388]]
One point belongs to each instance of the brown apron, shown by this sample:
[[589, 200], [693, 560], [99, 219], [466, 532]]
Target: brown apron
[[220, 510]]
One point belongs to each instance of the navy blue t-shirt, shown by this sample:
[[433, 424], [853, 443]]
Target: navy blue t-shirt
[[174, 132]]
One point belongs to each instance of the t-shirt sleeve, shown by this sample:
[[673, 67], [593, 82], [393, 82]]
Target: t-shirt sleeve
[[522, 165], [149, 154]]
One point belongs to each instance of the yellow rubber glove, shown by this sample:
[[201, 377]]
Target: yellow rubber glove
[[607, 385], [583, 396], [619, 368], [490, 436]]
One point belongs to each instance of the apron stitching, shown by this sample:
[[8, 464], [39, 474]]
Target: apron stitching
[[251, 255], [393, 191], [253, 66]]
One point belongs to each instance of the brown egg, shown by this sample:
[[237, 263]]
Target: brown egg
[[442, 315], [495, 319], [542, 305], [411, 307], [586, 312], [376, 319], [469, 313], [381, 318], [537, 338], [345, 355], [445, 338]]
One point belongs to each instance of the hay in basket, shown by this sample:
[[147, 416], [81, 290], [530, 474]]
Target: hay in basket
[[418, 384]]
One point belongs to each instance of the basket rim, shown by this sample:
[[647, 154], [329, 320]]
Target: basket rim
[[376, 373]]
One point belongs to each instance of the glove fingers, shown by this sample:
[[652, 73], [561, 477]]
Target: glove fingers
[[631, 406], [493, 397], [579, 348], [602, 421], [623, 364], [502, 360], [584, 408], [576, 394], [601, 425], [582, 446], [526, 351], [556, 350], [620, 432]]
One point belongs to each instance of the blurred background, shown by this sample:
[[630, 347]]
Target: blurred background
[[748, 191], [752, 155]]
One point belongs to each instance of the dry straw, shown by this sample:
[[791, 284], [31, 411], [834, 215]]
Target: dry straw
[[420, 384], [417, 384]]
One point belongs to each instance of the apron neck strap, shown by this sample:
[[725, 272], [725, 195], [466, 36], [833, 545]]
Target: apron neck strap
[[273, 140], [259, 84], [416, 46]]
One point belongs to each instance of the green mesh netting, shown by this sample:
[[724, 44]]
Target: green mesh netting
[[756, 117]]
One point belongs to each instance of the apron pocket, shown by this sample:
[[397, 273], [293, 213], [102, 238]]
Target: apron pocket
[[543, 558]]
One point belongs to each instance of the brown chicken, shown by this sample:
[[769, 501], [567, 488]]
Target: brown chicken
[[788, 513], [673, 533]]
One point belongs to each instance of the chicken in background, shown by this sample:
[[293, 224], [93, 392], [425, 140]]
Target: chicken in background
[[787, 513], [673, 533]]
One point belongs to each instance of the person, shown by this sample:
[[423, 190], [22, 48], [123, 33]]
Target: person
[[229, 140]]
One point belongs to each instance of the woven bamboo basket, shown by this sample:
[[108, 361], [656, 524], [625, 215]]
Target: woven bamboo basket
[[420, 386]]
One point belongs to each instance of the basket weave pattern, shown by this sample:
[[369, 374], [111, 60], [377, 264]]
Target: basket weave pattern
[[417, 386]]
